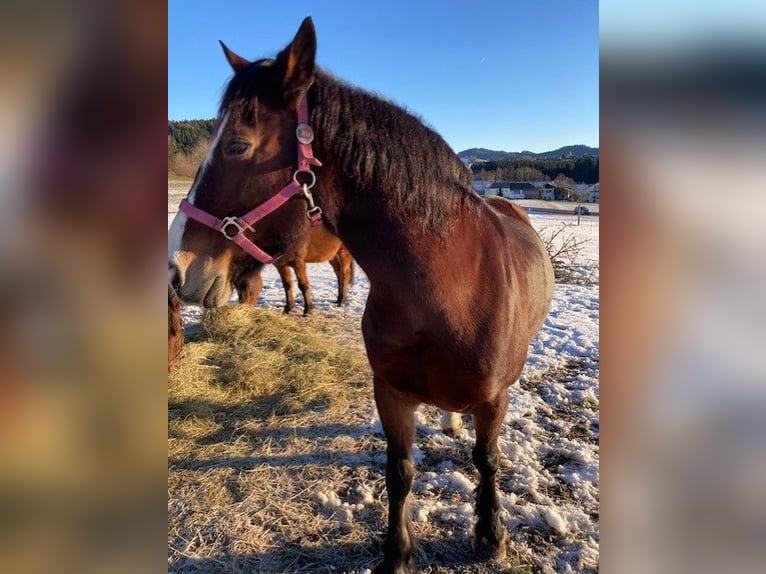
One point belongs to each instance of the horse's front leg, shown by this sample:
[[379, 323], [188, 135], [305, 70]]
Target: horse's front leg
[[396, 413], [490, 533]]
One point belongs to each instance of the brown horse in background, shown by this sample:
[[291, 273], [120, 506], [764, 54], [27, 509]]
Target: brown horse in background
[[458, 287], [321, 245], [175, 330]]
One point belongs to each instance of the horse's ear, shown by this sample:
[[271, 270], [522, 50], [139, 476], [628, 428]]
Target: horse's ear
[[297, 60], [236, 61]]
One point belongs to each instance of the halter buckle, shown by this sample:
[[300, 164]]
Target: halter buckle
[[315, 215], [233, 222]]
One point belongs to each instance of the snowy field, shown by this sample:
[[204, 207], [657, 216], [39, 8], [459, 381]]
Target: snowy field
[[549, 481]]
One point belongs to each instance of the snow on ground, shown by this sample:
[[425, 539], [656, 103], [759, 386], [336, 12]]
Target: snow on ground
[[549, 481]]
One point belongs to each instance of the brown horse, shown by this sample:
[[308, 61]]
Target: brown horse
[[175, 330], [320, 245], [457, 288]]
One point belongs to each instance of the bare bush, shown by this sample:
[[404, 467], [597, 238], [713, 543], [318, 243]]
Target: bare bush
[[566, 253]]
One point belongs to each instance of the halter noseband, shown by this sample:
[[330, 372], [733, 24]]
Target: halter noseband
[[233, 228]]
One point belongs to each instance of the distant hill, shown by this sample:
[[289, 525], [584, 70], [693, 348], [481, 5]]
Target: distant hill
[[566, 152]]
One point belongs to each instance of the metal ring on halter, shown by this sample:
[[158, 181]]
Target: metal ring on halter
[[233, 221], [313, 177]]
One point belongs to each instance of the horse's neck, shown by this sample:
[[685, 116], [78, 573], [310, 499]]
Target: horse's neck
[[382, 215], [386, 248]]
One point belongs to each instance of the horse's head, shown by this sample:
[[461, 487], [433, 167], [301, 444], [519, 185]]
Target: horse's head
[[255, 161]]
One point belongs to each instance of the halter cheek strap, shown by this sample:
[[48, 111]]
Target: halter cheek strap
[[233, 228]]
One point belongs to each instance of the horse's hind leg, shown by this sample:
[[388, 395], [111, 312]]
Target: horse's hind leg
[[343, 265], [337, 266], [490, 533], [287, 283], [397, 417], [303, 285]]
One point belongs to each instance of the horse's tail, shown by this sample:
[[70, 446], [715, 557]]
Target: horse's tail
[[351, 275]]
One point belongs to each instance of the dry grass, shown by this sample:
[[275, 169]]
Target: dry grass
[[269, 414], [257, 415], [261, 364]]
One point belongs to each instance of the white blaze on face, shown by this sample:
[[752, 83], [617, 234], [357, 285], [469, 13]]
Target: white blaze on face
[[178, 225]]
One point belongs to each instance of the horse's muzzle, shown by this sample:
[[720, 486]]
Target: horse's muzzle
[[212, 292], [218, 294]]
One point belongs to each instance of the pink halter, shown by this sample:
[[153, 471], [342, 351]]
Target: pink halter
[[233, 228]]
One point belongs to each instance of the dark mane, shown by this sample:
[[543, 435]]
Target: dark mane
[[381, 148], [388, 151]]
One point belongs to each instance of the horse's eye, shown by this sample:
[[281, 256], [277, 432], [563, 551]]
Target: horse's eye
[[236, 148]]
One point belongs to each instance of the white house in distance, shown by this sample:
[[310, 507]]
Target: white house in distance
[[512, 189], [586, 193], [593, 196], [545, 190], [480, 186]]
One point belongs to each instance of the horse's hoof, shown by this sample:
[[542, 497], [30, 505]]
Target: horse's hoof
[[452, 424], [487, 549], [308, 311]]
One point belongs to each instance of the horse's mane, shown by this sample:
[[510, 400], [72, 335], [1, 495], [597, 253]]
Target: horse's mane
[[380, 147], [386, 150]]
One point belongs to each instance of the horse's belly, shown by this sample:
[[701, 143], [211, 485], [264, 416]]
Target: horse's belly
[[435, 378]]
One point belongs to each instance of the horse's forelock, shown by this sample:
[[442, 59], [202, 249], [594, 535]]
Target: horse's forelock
[[249, 84]]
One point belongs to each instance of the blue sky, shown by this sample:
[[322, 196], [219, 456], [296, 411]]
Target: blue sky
[[500, 74]]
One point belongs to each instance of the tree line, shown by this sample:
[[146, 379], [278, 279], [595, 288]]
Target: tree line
[[581, 169], [188, 141]]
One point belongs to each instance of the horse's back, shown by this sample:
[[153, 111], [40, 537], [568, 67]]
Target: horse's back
[[322, 245], [507, 207], [524, 252], [319, 245]]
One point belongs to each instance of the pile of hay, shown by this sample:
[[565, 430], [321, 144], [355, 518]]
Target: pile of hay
[[259, 411], [267, 364]]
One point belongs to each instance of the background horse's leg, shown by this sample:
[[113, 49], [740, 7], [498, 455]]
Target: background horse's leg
[[337, 266], [490, 533], [287, 283], [347, 269], [249, 288], [343, 265], [303, 284], [452, 423], [397, 415]]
